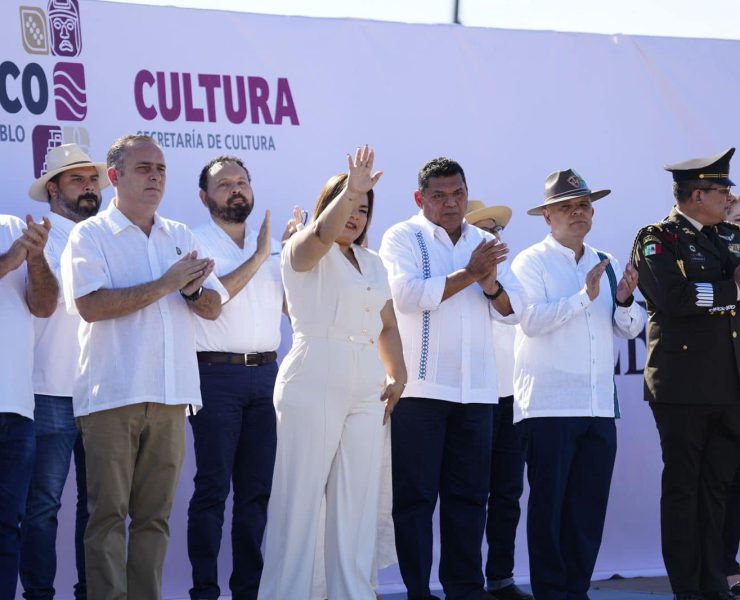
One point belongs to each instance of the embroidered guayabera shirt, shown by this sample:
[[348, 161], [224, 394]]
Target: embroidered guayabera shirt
[[448, 346]]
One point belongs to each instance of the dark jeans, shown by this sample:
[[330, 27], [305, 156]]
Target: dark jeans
[[17, 448], [57, 439], [507, 484], [441, 449], [569, 466], [235, 441]]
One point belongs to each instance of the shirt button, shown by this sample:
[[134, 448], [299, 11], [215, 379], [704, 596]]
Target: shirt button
[[734, 334], [684, 347], [372, 341], [702, 267], [732, 312], [351, 338], [722, 312], [368, 289], [367, 309]]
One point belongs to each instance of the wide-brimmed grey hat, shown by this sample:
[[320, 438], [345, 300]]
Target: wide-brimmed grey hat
[[60, 159], [566, 185]]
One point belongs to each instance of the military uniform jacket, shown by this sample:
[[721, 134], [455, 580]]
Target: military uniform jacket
[[687, 280]]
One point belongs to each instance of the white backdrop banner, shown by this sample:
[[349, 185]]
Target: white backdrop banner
[[292, 95]]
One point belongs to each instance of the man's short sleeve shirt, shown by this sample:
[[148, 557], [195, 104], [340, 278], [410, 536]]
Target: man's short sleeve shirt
[[148, 355]]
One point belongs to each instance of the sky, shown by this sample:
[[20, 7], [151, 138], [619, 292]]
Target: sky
[[718, 19]]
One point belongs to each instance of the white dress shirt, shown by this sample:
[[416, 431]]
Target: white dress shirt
[[564, 355], [56, 347], [503, 345], [448, 346], [148, 355], [16, 324], [250, 321]]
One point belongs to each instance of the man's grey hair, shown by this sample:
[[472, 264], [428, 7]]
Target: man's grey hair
[[118, 149]]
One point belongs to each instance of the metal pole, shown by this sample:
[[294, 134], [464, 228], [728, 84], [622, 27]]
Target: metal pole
[[456, 15]]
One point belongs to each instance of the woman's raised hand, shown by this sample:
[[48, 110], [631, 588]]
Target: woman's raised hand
[[361, 179]]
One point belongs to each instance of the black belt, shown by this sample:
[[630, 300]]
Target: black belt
[[253, 359]]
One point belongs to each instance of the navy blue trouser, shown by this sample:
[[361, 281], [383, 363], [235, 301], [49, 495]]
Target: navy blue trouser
[[569, 466], [57, 440], [441, 449], [235, 441], [507, 484], [17, 449]]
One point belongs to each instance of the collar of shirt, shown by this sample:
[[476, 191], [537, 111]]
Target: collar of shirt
[[551, 242], [698, 226], [440, 233], [119, 221], [60, 223], [217, 230]]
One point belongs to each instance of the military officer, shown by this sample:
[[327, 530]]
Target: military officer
[[689, 276]]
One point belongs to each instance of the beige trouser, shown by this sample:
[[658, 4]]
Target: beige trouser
[[134, 455]]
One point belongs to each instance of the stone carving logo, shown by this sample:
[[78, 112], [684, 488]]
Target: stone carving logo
[[58, 31], [69, 91], [65, 38], [64, 23]]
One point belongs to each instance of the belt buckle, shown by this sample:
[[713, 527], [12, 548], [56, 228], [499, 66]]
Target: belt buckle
[[246, 359]]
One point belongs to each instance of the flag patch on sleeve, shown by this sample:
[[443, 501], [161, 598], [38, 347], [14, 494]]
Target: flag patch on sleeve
[[652, 249]]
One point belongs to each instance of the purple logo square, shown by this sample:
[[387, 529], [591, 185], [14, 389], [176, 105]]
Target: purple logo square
[[64, 27], [70, 94], [43, 139]]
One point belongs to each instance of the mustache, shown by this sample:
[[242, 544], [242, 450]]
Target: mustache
[[88, 196]]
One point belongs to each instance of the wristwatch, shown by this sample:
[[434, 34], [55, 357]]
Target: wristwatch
[[194, 296], [498, 292]]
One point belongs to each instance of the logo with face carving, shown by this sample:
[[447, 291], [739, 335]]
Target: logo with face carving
[[64, 27], [63, 34]]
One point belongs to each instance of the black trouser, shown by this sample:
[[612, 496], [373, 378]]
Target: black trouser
[[506, 486], [732, 527], [701, 451]]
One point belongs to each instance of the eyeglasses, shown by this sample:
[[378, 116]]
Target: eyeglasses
[[723, 191], [494, 230]]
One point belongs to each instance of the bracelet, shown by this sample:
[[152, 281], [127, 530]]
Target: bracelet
[[498, 292], [627, 302], [194, 296]]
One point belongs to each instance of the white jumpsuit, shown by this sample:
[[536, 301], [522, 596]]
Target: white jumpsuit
[[330, 431]]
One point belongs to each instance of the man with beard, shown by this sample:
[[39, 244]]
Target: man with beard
[[234, 433], [71, 186]]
